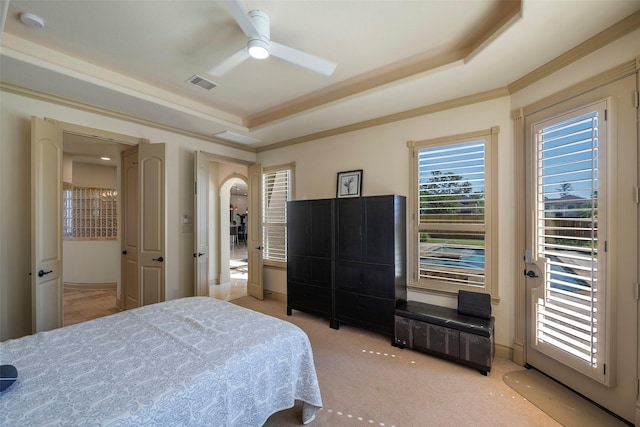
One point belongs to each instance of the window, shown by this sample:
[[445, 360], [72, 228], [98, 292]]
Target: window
[[276, 191], [453, 204], [90, 213], [570, 307]]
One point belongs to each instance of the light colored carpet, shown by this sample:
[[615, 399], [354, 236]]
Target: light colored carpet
[[366, 381], [562, 404]]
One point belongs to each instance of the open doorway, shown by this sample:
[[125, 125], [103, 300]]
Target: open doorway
[[234, 199], [91, 241]]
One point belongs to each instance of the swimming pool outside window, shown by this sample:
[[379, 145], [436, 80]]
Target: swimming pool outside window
[[453, 201]]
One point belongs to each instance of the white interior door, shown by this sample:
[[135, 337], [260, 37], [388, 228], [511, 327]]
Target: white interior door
[[254, 235], [582, 253], [201, 222], [151, 210], [46, 225], [129, 201]]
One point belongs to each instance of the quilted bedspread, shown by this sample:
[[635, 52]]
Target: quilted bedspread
[[187, 362]]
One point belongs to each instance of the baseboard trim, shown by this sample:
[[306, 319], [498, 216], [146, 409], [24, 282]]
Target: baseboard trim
[[500, 350], [279, 296], [91, 286], [503, 351]]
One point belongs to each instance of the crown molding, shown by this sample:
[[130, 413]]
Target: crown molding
[[391, 118], [506, 14], [611, 75], [53, 99], [611, 34]]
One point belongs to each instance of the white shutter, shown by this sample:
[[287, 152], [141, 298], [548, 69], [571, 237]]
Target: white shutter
[[276, 192], [451, 207], [570, 306]]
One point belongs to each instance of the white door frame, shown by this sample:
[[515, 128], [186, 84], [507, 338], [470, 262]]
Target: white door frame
[[255, 285], [46, 225], [201, 222], [225, 222], [49, 303], [627, 342]]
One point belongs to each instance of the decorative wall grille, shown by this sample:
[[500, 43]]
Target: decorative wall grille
[[90, 213]]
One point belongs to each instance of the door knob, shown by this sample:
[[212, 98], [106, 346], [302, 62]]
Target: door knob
[[42, 272], [124, 252], [159, 259]]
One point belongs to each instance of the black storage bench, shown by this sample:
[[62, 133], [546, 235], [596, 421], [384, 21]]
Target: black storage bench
[[464, 335]]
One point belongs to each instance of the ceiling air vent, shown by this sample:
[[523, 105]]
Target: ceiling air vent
[[236, 137], [201, 82]]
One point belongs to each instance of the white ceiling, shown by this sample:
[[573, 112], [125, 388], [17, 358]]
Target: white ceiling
[[133, 57]]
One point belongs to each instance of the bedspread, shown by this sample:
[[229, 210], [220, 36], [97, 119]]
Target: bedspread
[[192, 361]]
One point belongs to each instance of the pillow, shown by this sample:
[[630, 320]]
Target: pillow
[[8, 375], [474, 304]]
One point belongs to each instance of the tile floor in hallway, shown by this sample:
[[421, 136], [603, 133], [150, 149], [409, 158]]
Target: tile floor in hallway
[[86, 304], [81, 305], [237, 286]]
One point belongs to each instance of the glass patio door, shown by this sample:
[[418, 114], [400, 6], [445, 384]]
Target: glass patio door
[[567, 251], [581, 257]]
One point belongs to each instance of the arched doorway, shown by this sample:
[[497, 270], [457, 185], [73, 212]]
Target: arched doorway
[[233, 244]]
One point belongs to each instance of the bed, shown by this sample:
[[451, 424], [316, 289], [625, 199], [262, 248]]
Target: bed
[[193, 361]]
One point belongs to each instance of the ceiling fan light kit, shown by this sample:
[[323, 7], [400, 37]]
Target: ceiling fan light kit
[[257, 27], [258, 45], [258, 49]]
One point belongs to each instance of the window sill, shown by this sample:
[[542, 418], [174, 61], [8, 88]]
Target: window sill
[[495, 299], [274, 264]]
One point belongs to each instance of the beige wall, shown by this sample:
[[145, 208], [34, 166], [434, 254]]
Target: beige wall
[[96, 261], [90, 175], [380, 151], [15, 240], [383, 155]]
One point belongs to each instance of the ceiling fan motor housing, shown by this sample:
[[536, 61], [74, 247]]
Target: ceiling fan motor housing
[[259, 45]]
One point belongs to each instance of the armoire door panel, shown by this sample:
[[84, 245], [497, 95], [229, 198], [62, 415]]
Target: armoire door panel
[[315, 271], [320, 232], [349, 224], [378, 245]]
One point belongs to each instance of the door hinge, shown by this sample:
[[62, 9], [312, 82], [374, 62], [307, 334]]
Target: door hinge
[[637, 195], [636, 99], [195, 188], [637, 291], [604, 369], [606, 246], [606, 115]]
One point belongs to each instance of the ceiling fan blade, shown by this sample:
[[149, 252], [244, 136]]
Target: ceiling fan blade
[[228, 64], [240, 13], [303, 59]]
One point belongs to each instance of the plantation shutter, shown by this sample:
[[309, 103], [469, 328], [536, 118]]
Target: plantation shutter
[[451, 187], [276, 192], [572, 302]]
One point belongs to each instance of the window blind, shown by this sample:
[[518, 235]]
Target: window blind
[[451, 204], [276, 193]]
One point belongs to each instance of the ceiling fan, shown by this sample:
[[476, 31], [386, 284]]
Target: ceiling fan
[[256, 25]]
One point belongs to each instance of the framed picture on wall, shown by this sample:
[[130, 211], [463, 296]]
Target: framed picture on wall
[[349, 184]]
